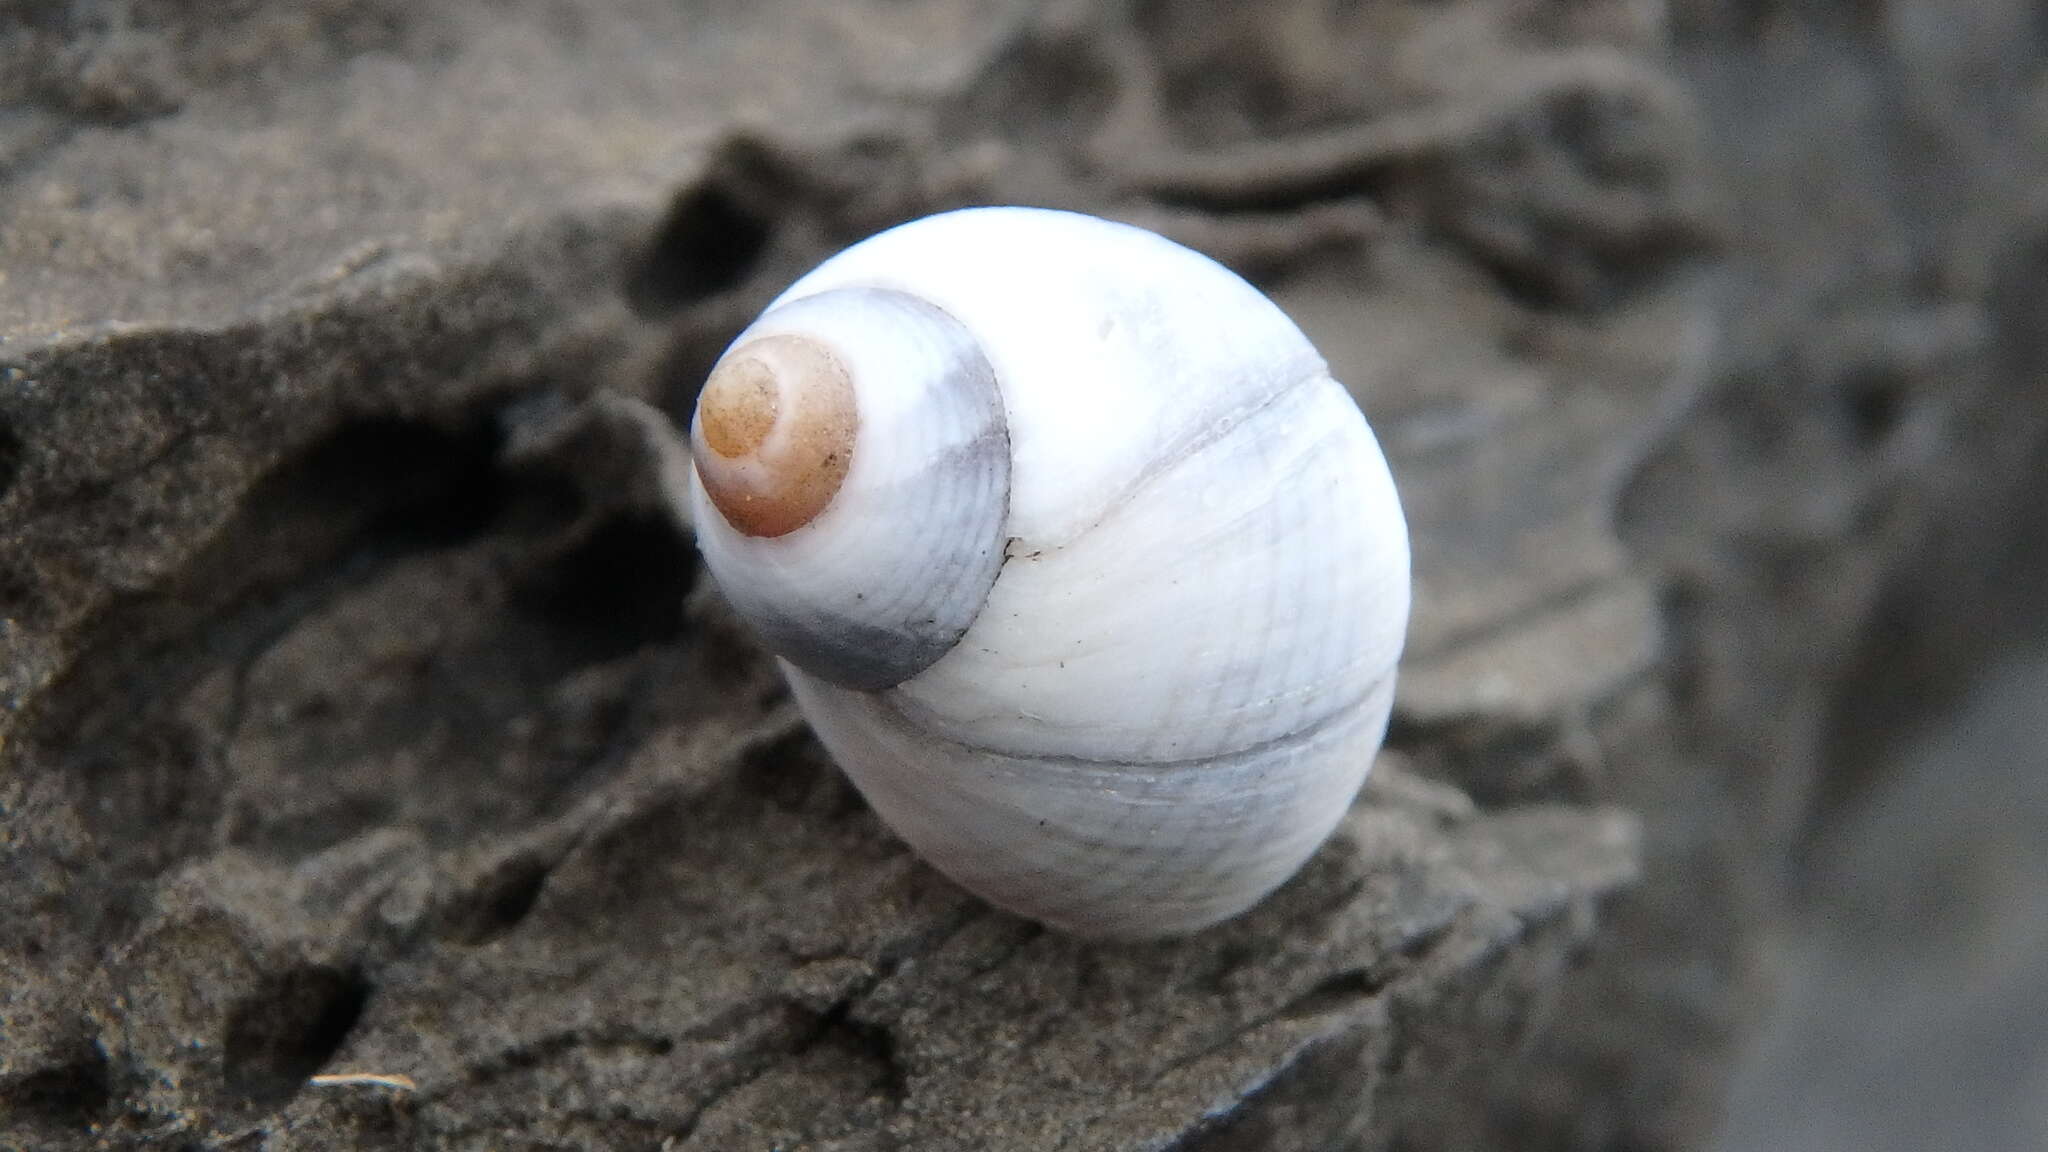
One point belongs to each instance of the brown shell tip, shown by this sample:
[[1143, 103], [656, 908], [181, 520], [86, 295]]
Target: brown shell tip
[[738, 406], [774, 433]]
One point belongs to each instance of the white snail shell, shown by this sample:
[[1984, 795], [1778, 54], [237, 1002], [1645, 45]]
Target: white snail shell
[[1077, 560]]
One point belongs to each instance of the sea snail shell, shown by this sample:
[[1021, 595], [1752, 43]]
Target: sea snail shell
[[1076, 558]]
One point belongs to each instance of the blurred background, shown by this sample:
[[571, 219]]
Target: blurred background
[[1907, 983], [1897, 146]]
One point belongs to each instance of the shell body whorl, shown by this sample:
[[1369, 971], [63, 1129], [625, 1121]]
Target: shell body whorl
[[1104, 617]]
